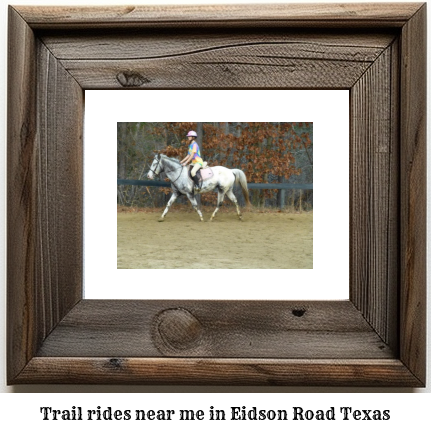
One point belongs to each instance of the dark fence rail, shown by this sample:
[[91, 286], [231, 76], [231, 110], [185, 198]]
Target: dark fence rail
[[281, 199], [250, 185]]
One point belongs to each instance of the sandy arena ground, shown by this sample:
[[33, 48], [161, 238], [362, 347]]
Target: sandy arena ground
[[264, 240]]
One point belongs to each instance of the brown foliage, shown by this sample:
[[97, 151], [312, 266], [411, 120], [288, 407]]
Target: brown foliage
[[260, 149]]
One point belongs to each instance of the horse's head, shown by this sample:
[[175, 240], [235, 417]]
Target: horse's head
[[156, 167]]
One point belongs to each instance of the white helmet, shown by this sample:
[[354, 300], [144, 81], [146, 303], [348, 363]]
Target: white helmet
[[192, 134]]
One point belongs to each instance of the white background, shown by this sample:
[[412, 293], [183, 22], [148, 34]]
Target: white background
[[22, 410], [329, 112]]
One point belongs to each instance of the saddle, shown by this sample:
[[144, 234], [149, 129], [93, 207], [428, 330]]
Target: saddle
[[203, 174]]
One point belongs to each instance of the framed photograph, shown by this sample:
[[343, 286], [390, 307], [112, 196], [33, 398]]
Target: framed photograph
[[284, 241], [375, 337]]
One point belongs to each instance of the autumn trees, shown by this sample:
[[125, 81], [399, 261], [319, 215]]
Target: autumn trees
[[266, 152]]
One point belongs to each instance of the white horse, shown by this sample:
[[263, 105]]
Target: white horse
[[222, 181]]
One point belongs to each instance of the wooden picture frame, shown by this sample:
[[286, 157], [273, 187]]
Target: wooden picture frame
[[376, 338]]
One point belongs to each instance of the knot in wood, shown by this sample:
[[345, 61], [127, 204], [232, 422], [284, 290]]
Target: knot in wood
[[115, 363], [131, 79], [178, 329], [298, 312]]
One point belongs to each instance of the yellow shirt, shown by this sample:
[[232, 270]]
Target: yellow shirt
[[195, 151]]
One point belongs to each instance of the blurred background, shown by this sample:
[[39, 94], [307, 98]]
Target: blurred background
[[269, 153]]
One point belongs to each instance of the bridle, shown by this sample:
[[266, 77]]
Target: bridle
[[166, 172]]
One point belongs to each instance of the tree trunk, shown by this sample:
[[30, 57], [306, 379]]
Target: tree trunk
[[300, 200], [200, 132], [281, 194], [121, 159]]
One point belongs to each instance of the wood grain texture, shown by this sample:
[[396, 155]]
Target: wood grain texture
[[346, 45], [197, 371], [21, 235], [249, 60], [300, 15], [227, 329], [59, 182], [374, 195], [44, 193], [413, 194], [376, 338]]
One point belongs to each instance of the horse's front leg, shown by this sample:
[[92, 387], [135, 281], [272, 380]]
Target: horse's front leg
[[170, 202], [195, 205], [220, 198]]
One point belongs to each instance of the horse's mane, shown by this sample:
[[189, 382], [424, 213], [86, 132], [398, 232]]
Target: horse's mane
[[172, 159]]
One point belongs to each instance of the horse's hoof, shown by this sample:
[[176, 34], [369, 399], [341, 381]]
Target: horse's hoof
[[161, 220]]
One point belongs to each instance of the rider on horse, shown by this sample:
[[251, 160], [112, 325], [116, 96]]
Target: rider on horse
[[193, 156]]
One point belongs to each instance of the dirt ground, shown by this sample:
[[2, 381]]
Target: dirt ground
[[264, 240]]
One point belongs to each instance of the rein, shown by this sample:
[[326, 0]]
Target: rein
[[167, 172]]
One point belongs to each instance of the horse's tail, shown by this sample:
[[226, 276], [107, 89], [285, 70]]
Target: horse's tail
[[242, 180]]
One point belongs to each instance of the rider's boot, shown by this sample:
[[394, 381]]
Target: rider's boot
[[196, 182]]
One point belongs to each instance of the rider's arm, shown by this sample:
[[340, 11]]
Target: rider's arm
[[187, 159]]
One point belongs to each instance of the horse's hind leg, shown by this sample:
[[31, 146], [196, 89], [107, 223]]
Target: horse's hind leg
[[170, 202], [220, 198], [195, 205], [232, 197]]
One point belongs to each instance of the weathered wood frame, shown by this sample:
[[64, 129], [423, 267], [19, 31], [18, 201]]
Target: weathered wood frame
[[376, 338]]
